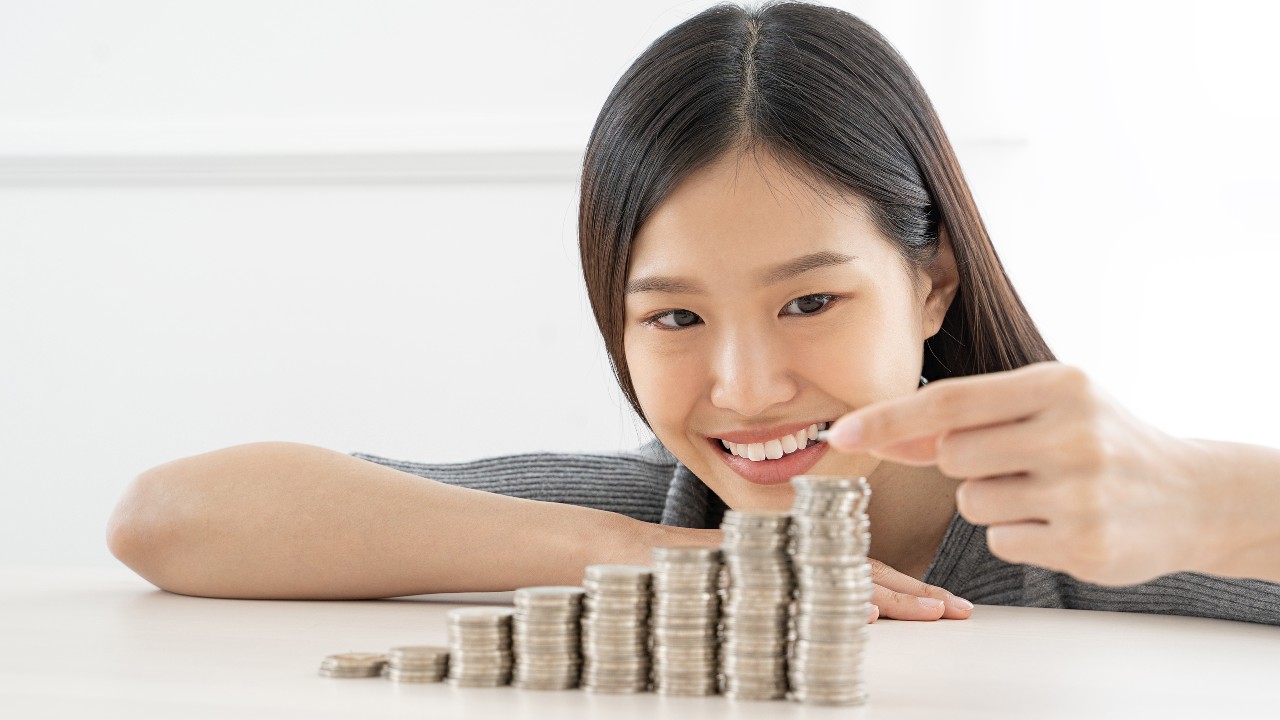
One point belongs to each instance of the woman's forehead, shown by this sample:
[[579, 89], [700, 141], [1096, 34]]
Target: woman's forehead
[[740, 208]]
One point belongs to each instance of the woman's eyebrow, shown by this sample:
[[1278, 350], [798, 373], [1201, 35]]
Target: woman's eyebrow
[[771, 276], [804, 264]]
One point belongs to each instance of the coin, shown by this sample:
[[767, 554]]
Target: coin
[[480, 653], [827, 633], [352, 665], [416, 664], [614, 635], [684, 617], [755, 604], [546, 640]]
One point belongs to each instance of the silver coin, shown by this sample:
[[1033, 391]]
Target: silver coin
[[829, 483], [756, 518], [771, 594], [548, 594], [828, 526], [481, 615], [478, 681], [685, 554], [661, 687], [412, 676], [847, 697], [755, 693], [610, 572]]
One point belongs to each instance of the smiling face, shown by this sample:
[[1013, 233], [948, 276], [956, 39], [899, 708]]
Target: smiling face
[[757, 308]]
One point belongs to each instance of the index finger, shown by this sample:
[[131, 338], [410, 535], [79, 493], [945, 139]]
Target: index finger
[[946, 405]]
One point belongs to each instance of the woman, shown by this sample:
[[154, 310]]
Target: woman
[[775, 235]]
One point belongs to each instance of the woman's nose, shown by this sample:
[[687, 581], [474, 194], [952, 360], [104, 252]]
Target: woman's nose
[[750, 374]]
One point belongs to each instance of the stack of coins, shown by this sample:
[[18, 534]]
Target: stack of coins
[[416, 664], [352, 665], [754, 612], [684, 617], [615, 629], [480, 646], [545, 638], [830, 536]]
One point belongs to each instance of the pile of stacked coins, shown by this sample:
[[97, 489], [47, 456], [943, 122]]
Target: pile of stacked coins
[[416, 664], [352, 665], [757, 598], [830, 536], [545, 638], [684, 616], [480, 646], [615, 629]]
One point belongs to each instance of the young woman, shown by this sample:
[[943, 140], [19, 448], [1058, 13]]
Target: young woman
[[775, 236]]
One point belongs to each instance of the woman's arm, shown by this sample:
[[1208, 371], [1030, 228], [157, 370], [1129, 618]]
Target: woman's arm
[[285, 520], [1241, 499]]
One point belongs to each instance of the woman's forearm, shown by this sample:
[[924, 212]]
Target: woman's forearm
[[283, 520], [1241, 500]]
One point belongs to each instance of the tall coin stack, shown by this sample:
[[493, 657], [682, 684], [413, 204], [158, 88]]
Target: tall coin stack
[[615, 629], [480, 646], [753, 637], [830, 536], [545, 638], [684, 617], [416, 664]]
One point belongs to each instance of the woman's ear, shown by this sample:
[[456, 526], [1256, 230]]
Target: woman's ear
[[944, 281]]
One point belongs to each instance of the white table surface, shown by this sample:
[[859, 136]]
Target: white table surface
[[104, 643]]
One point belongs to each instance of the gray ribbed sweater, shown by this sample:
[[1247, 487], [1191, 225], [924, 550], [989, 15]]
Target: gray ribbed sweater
[[650, 484]]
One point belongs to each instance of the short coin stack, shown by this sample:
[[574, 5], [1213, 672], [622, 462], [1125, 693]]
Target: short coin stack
[[684, 616], [416, 664], [829, 541], [480, 646], [757, 598], [352, 665], [545, 637], [615, 632]]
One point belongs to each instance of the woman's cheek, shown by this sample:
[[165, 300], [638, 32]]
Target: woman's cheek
[[665, 385], [881, 352]]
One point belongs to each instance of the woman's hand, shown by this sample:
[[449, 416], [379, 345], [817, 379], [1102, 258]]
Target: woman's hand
[[896, 596], [1062, 475], [902, 597]]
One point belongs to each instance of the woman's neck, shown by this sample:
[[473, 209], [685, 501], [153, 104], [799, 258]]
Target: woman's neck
[[911, 508]]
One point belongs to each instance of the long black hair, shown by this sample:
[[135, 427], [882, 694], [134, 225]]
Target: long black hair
[[826, 94]]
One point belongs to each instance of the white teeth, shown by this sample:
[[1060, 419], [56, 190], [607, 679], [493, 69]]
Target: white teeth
[[778, 447], [789, 443]]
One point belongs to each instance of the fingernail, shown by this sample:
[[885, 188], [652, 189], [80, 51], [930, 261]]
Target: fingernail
[[929, 603], [845, 433], [960, 603]]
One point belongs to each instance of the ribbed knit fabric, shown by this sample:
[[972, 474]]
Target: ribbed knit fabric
[[649, 484]]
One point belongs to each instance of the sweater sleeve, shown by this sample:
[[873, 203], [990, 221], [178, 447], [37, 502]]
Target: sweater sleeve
[[633, 483], [965, 566]]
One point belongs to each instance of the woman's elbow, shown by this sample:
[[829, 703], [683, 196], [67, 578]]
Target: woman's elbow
[[143, 532]]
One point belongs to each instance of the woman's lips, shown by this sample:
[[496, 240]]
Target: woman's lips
[[772, 472]]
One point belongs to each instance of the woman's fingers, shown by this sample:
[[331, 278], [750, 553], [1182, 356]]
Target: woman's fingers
[[998, 500], [950, 404], [902, 597]]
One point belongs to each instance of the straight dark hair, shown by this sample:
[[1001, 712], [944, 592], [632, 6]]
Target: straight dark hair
[[826, 94]]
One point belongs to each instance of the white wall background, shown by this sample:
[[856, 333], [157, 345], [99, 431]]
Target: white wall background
[[353, 224]]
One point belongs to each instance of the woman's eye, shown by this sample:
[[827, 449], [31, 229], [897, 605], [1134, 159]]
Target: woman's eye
[[675, 319], [807, 305]]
